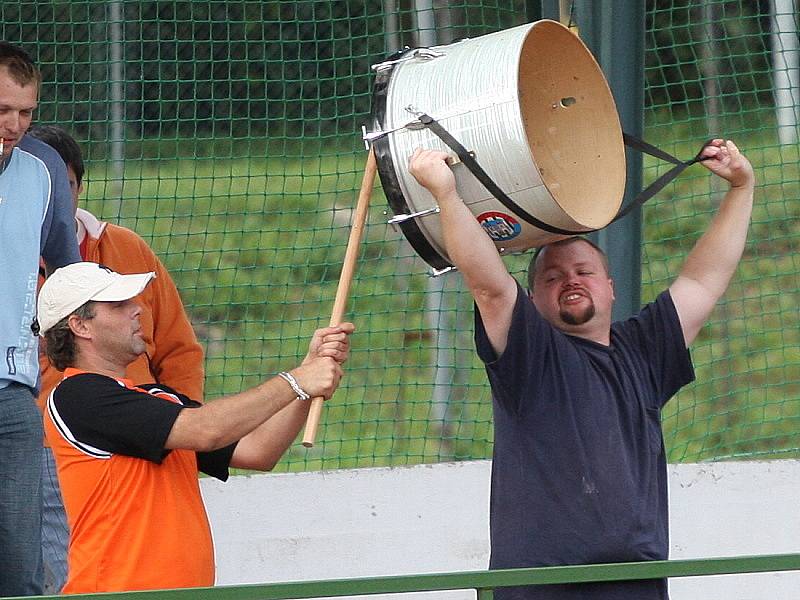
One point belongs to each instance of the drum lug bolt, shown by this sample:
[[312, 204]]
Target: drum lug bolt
[[437, 272], [398, 219], [420, 53], [370, 136]]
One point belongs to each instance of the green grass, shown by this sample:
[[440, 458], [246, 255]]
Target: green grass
[[255, 246]]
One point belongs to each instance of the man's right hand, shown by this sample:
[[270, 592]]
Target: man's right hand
[[319, 376], [430, 169]]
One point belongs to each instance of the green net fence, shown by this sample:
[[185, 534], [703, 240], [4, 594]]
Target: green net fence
[[227, 134], [714, 69]]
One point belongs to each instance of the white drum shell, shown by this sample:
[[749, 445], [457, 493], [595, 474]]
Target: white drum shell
[[476, 90]]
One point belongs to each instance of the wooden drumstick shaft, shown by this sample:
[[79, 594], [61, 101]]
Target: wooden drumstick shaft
[[343, 290]]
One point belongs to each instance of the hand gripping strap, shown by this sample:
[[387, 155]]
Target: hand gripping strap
[[630, 141], [481, 175]]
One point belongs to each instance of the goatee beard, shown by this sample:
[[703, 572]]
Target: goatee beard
[[577, 319]]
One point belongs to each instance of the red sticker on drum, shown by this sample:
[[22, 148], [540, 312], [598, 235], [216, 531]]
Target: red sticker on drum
[[500, 226]]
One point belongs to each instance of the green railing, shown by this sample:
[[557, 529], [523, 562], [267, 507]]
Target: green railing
[[484, 582]]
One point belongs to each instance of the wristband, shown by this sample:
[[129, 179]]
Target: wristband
[[289, 378]]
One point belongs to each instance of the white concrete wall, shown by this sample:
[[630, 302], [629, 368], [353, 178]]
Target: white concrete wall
[[434, 518]]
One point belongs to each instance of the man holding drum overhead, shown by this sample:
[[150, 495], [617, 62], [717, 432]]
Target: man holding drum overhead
[[579, 469]]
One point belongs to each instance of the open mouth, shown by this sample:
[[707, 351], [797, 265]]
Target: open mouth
[[571, 297]]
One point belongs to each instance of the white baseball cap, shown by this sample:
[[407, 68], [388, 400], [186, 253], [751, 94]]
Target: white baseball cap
[[72, 286]]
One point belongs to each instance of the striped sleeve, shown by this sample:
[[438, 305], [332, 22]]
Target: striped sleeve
[[101, 417]]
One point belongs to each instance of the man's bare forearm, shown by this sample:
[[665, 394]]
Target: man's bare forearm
[[714, 258]]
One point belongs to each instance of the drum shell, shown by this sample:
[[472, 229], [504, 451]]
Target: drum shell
[[533, 107]]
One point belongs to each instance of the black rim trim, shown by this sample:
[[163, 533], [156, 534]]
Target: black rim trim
[[388, 174]]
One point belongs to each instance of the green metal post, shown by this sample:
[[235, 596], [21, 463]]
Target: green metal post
[[542, 9], [533, 10], [548, 9], [614, 32]]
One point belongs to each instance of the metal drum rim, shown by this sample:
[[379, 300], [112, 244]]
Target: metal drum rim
[[388, 174]]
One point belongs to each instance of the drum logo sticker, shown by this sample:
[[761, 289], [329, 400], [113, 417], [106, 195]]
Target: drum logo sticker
[[500, 226]]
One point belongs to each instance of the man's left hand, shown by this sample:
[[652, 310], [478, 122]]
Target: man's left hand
[[724, 159], [332, 342]]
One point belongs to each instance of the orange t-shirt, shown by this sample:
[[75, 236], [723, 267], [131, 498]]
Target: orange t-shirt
[[134, 509]]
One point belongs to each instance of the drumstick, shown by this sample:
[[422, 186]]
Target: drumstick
[[348, 269]]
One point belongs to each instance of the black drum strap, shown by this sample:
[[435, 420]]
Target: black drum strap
[[481, 175], [659, 184], [633, 142]]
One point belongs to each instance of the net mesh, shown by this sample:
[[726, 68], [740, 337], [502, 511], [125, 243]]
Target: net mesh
[[724, 68], [226, 133]]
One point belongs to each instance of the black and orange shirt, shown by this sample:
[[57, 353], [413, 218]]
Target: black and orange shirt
[[136, 517]]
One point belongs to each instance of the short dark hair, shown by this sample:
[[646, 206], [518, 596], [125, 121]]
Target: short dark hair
[[63, 143], [20, 65], [60, 341], [564, 242]]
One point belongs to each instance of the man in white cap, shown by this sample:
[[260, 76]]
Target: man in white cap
[[173, 357], [128, 456]]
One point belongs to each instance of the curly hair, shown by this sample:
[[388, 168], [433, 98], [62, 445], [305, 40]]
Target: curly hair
[[59, 341]]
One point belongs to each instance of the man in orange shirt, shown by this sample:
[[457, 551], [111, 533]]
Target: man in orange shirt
[[173, 356], [128, 456]]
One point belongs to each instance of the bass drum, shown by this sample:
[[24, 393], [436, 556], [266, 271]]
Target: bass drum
[[532, 106]]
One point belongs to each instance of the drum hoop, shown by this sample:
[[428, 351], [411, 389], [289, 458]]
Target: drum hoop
[[388, 174]]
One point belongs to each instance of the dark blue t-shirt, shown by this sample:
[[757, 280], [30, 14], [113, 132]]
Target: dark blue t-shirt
[[579, 473]]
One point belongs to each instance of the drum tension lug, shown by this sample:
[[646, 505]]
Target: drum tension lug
[[398, 219], [420, 53], [438, 272], [370, 136]]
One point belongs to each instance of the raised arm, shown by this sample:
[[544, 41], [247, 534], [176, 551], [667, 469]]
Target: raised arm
[[468, 246], [710, 265]]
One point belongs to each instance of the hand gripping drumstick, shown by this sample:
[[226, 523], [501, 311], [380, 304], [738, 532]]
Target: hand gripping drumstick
[[348, 268]]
